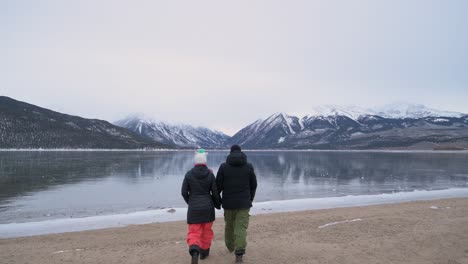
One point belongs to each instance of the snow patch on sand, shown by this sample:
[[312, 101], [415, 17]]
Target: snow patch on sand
[[67, 250], [340, 222]]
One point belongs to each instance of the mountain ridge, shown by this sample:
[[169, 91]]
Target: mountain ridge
[[181, 135], [334, 128], [24, 125]]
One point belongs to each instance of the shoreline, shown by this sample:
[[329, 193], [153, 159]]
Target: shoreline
[[431, 231], [172, 214], [246, 150]]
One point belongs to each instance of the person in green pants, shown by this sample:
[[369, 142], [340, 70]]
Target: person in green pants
[[237, 183]]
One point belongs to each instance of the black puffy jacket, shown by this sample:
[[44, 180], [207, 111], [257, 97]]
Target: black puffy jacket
[[236, 181], [201, 194]]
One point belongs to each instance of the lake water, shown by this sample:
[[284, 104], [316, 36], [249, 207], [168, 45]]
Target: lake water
[[42, 185]]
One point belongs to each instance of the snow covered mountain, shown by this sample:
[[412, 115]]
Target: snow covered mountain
[[399, 125], [351, 111], [394, 110], [335, 127], [405, 110], [267, 132], [182, 135]]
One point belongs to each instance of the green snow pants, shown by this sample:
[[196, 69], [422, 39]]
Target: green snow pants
[[235, 232]]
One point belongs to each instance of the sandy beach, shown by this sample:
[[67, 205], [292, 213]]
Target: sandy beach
[[415, 232]]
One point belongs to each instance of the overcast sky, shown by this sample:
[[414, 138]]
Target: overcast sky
[[224, 64]]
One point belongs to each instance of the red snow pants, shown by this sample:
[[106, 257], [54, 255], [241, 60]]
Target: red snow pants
[[200, 235]]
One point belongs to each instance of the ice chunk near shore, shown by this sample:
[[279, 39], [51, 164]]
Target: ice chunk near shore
[[351, 201], [90, 223]]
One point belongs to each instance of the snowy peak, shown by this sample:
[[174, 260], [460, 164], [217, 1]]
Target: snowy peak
[[353, 112], [181, 135], [289, 124], [275, 127], [406, 110], [394, 110]]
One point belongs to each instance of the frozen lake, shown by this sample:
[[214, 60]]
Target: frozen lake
[[46, 185]]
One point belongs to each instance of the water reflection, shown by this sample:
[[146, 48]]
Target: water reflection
[[318, 174], [26, 172], [36, 185]]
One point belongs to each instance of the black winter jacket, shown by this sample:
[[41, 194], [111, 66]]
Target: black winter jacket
[[201, 194], [236, 181]]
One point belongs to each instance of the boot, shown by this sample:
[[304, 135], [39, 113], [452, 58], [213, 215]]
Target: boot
[[204, 253], [194, 251], [239, 253], [195, 258]]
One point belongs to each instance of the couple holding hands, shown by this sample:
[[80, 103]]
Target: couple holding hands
[[233, 188]]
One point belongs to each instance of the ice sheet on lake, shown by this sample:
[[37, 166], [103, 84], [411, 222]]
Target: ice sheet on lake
[[162, 215]]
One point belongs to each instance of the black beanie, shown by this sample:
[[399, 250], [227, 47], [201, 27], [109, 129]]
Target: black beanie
[[235, 147]]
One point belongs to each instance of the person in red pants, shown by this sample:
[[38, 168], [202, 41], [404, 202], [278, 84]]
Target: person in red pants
[[200, 192]]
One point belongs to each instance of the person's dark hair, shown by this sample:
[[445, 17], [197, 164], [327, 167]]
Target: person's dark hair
[[235, 148]]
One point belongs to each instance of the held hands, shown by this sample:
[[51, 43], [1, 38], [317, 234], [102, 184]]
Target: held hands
[[217, 205]]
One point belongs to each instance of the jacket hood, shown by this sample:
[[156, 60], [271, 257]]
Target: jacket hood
[[236, 158], [200, 171]]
